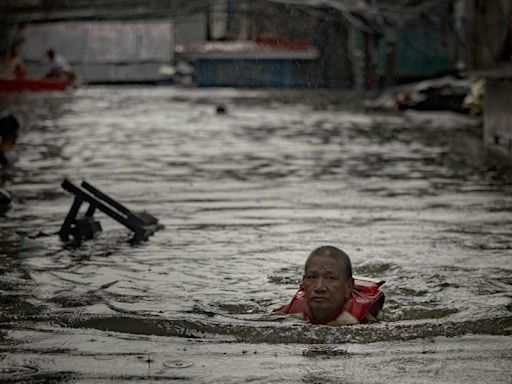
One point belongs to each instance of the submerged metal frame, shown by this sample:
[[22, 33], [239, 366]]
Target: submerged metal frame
[[142, 226]]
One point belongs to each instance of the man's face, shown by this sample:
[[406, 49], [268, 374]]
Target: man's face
[[325, 286], [7, 143]]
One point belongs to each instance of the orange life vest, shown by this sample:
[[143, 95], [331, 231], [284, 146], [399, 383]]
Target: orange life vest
[[366, 298]]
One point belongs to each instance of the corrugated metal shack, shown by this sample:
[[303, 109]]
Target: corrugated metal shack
[[252, 64], [103, 52], [419, 51]]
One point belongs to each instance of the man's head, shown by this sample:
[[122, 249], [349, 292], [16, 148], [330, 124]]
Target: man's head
[[51, 54], [9, 127], [327, 281]]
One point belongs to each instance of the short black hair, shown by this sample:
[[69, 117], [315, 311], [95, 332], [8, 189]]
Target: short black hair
[[336, 254], [9, 126], [50, 53]]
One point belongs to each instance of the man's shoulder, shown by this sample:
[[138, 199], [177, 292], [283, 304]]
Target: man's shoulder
[[60, 60]]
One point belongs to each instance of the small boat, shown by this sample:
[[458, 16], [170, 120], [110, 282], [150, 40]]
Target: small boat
[[33, 84]]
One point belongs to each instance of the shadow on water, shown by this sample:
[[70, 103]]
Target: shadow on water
[[244, 196]]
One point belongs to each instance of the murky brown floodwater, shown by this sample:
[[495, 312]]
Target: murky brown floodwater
[[244, 197]]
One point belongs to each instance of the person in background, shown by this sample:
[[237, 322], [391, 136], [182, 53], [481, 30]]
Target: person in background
[[14, 67], [9, 127], [59, 67], [329, 295]]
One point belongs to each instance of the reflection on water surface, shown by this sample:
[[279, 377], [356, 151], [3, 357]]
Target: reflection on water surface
[[244, 197]]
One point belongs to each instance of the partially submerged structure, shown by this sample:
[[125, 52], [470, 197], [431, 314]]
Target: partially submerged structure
[[486, 40], [77, 228], [497, 133]]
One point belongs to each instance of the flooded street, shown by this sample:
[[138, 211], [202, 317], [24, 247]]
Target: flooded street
[[244, 197]]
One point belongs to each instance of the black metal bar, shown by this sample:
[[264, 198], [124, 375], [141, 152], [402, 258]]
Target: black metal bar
[[96, 192], [102, 196], [131, 224], [90, 211], [70, 218]]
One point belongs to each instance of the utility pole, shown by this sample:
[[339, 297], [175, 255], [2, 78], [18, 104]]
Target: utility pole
[[4, 36], [390, 38], [460, 19]]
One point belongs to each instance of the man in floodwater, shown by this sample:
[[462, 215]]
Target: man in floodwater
[[329, 294], [9, 127]]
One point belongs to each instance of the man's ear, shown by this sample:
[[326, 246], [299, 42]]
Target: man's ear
[[350, 286]]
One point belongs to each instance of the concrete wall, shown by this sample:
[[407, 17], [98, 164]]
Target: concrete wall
[[191, 29], [488, 32], [498, 116]]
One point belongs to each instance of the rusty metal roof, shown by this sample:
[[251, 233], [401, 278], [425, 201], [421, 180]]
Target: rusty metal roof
[[246, 49]]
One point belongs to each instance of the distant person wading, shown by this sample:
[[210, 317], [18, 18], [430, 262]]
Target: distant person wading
[[9, 128], [13, 66], [59, 67]]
